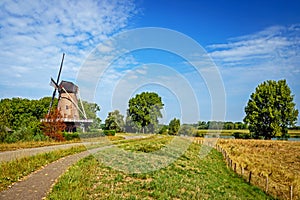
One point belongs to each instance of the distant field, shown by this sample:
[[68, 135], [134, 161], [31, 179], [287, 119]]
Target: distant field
[[293, 133], [277, 160], [189, 177], [223, 132]]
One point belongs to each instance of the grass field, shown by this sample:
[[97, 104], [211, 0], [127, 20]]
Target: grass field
[[189, 177], [277, 160]]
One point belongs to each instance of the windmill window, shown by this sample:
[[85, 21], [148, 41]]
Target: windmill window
[[67, 107]]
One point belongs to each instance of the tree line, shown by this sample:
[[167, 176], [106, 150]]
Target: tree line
[[270, 111], [20, 118]]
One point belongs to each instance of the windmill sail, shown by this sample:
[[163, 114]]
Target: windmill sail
[[56, 83]]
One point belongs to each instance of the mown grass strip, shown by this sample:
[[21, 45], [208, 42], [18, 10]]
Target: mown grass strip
[[189, 177], [32, 144], [13, 171]]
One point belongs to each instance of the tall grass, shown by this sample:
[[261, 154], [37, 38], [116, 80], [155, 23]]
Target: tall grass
[[279, 161]]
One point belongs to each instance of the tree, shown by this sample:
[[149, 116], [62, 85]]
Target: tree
[[164, 130], [91, 110], [131, 126], [270, 110], [114, 121], [187, 129], [53, 125], [145, 109], [202, 125], [174, 126]]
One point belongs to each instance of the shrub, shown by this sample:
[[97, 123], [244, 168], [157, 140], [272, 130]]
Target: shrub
[[240, 135], [199, 134], [109, 132], [70, 136], [163, 130], [91, 135]]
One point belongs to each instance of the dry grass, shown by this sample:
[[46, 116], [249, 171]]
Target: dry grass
[[32, 144], [277, 160]]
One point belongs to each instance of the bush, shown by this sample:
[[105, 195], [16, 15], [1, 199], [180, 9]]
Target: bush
[[109, 132], [70, 136], [163, 130], [240, 135], [199, 134], [91, 134]]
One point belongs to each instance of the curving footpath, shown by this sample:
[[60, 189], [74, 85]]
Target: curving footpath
[[38, 184]]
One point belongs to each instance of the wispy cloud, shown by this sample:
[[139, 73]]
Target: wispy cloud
[[273, 43], [34, 35], [246, 61]]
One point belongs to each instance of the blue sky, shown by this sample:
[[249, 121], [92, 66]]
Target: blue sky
[[249, 41]]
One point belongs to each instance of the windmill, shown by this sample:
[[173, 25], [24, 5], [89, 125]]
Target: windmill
[[68, 102]]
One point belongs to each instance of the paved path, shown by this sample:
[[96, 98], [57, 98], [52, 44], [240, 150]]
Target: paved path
[[20, 153], [37, 185]]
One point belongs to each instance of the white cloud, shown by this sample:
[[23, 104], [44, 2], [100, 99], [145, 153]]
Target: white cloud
[[272, 43], [34, 35], [246, 61]]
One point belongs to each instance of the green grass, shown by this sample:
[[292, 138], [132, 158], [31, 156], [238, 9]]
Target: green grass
[[189, 177], [13, 171]]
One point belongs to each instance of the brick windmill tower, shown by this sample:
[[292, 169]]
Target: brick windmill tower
[[68, 104]]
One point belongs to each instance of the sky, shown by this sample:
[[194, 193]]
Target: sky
[[243, 43]]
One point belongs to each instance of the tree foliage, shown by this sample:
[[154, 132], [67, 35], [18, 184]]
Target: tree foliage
[[187, 129], [221, 125], [91, 110], [53, 125], [22, 117], [174, 126], [270, 110], [114, 121], [145, 109], [130, 125]]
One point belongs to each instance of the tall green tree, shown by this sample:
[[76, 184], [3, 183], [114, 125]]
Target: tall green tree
[[22, 117], [270, 110], [114, 121], [91, 110], [130, 125], [174, 126], [145, 109]]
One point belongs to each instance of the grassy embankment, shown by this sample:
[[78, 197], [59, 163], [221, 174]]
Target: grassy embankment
[[189, 177]]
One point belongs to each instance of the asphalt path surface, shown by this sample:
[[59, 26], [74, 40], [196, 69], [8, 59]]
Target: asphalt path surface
[[39, 183]]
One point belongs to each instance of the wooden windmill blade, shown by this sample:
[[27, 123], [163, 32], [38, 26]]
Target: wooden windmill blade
[[56, 83]]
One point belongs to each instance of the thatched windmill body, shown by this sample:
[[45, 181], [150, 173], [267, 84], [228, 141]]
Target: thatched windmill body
[[68, 104]]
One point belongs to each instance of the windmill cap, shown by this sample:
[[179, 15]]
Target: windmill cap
[[68, 86]]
